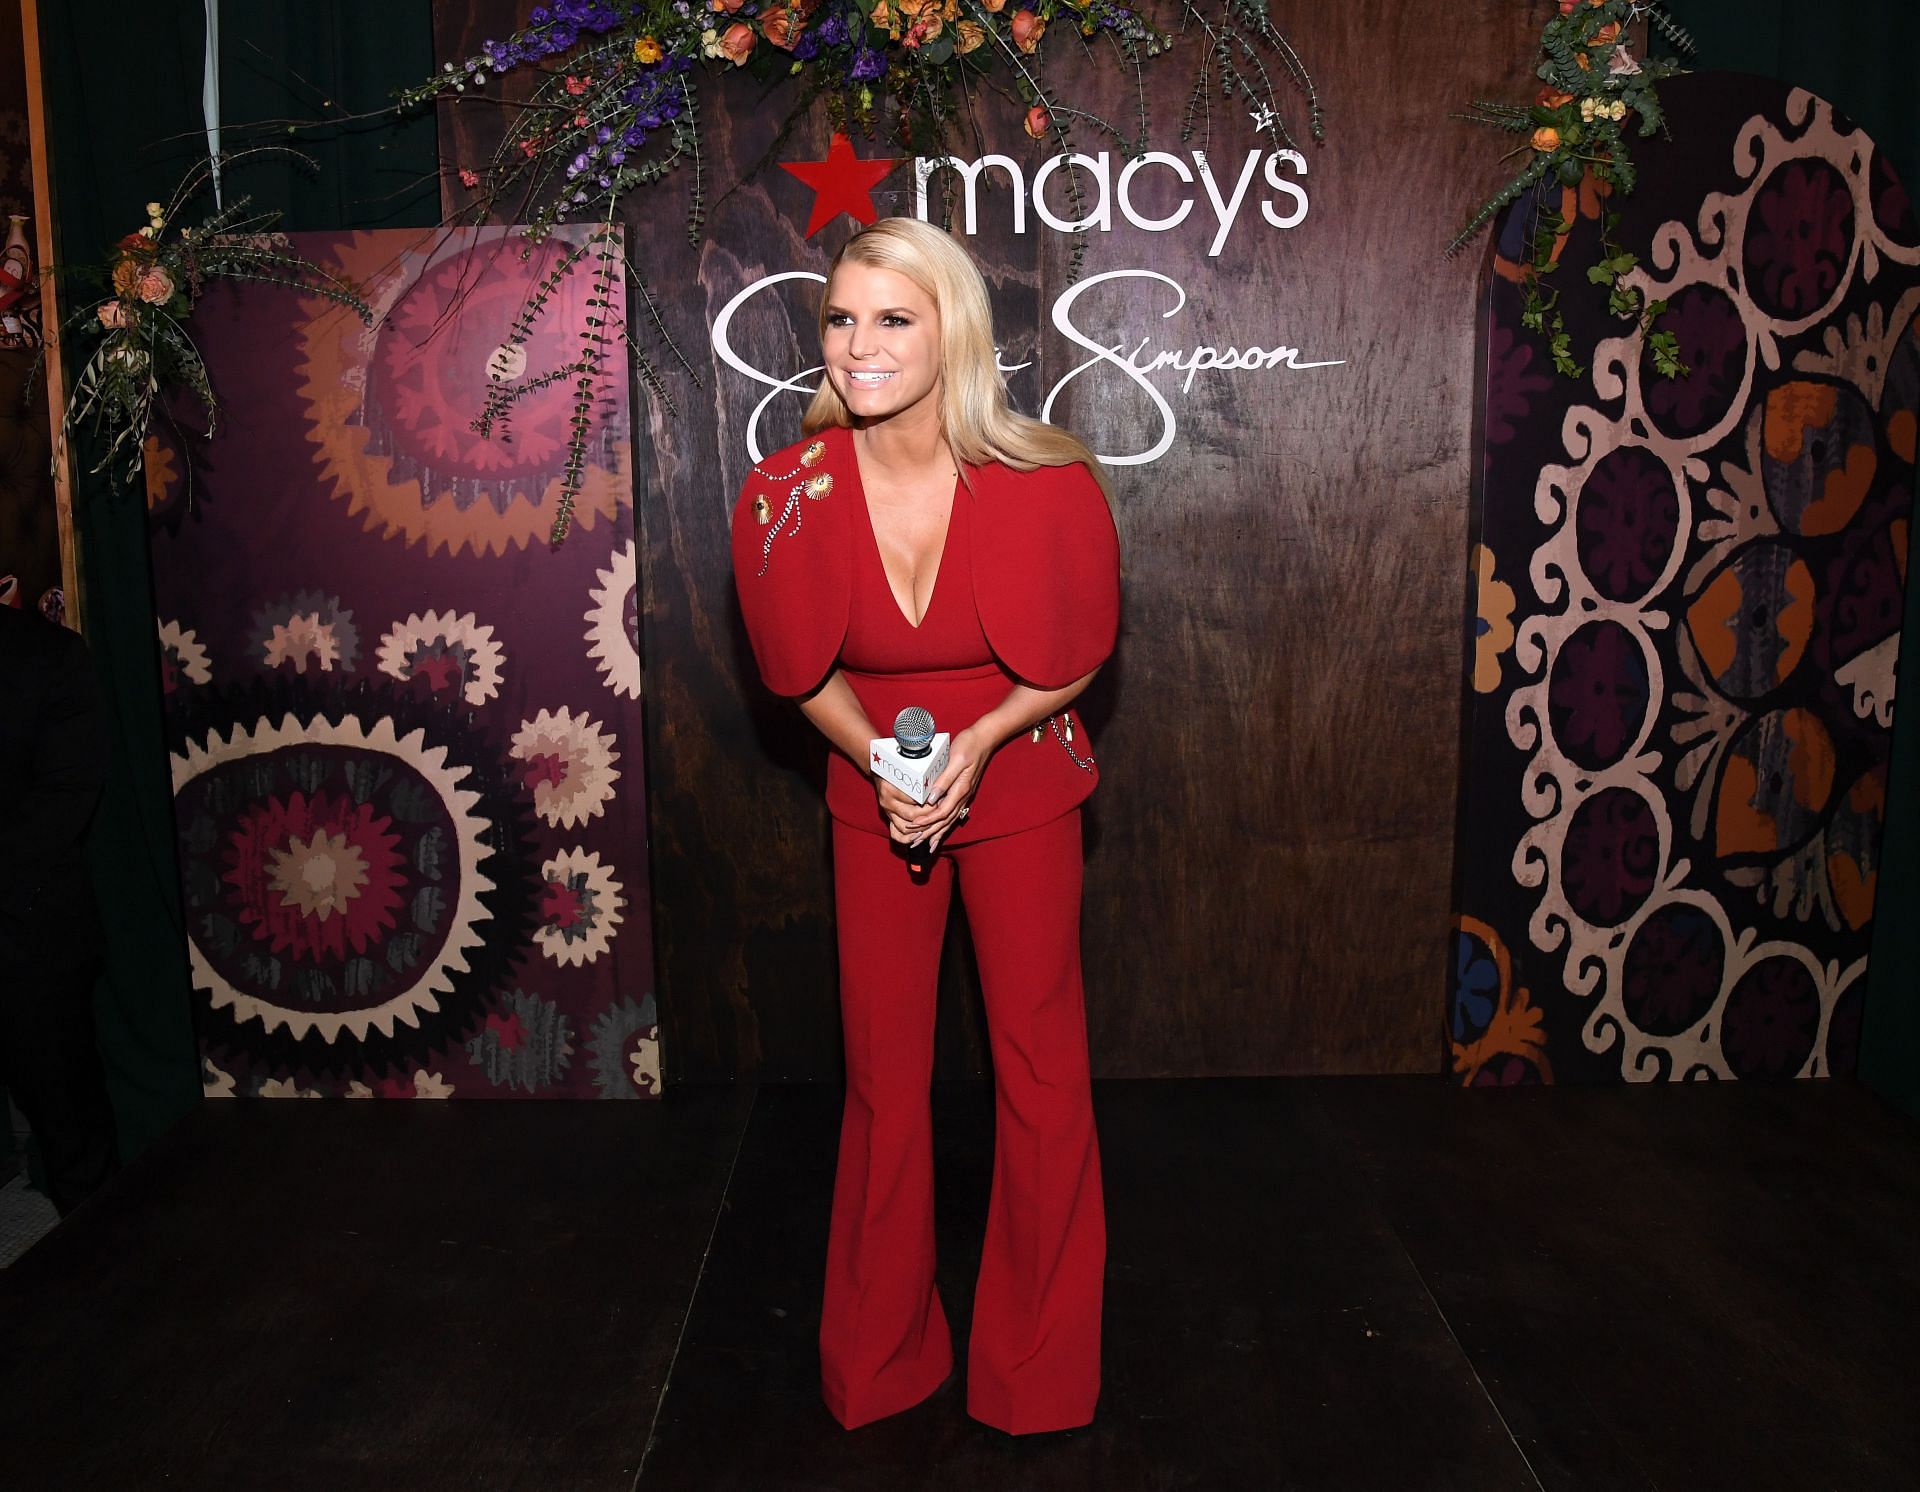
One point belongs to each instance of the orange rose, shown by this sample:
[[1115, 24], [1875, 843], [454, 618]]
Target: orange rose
[[923, 18], [1606, 34], [994, 5], [1552, 98], [646, 50], [113, 315], [737, 42], [1546, 139], [725, 7], [1028, 28], [126, 276], [1038, 121], [967, 35], [782, 27]]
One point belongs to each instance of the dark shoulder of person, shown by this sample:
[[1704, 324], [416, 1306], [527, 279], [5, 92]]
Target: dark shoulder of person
[[50, 706], [34, 650]]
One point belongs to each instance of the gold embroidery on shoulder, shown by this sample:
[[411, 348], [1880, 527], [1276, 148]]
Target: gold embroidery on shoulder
[[816, 487]]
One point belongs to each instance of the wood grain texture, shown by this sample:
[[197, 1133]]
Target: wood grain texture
[[1270, 852]]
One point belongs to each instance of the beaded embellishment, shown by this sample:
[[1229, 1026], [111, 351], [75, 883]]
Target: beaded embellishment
[[1064, 736], [814, 487]]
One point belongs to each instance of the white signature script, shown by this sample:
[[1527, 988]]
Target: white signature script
[[1134, 364]]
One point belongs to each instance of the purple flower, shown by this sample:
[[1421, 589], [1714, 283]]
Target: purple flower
[[616, 157], [867, 63], [832, 32]]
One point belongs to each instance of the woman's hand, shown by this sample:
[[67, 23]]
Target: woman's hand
[[950, 800]]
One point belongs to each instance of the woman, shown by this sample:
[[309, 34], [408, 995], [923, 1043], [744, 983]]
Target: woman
[[925, 545]]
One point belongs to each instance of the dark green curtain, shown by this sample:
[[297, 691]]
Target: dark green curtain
[[1860, 57], [322, 68], [124, 84], [123, 89]]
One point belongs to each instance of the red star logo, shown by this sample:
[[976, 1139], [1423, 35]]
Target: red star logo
[[841, 183]]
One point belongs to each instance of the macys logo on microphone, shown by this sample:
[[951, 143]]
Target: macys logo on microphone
[[1276, 169]]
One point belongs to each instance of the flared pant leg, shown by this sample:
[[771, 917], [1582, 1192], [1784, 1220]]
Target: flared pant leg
[[884, 1343], [1033, 1360]]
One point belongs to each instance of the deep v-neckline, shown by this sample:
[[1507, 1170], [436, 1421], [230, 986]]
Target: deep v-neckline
[[873, 535]]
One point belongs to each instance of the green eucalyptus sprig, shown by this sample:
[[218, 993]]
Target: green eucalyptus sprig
[[1577, 128]]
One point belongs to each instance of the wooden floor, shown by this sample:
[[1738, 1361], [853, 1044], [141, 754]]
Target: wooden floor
[[1349, 1284]]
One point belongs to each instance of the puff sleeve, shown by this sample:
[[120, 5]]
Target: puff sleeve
[[1046, 577], [792, 567]]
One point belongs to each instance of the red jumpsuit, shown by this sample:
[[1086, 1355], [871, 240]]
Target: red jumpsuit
[[1034, 1351]]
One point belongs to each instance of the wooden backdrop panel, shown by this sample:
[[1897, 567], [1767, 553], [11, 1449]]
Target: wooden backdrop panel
[[1270, 852]]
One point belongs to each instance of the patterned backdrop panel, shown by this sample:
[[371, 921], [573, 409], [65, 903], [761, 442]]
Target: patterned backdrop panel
[[1689, 599], [406, 728]]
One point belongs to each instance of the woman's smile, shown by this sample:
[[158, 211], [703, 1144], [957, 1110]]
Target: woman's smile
[[881, 337]]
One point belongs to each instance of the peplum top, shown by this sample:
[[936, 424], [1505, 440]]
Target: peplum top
[[1027, 591]]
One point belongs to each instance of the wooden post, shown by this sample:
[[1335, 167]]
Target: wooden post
[[40, 144]]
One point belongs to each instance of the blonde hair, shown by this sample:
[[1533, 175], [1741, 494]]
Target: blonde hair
[[975, 417]]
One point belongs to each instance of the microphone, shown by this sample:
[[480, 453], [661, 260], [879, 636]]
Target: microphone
[[912, 758]]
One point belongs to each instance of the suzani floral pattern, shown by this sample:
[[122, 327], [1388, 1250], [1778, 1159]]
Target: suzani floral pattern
[[183, 662], [446, 654], [1675, 789], [1493, 621], [613, 623], [305, 631], [580, 908], [568, 762], [405, 730]]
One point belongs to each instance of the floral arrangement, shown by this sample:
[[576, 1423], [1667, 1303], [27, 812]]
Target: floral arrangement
[[1577, 126], [142, 352], [615, 105]]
